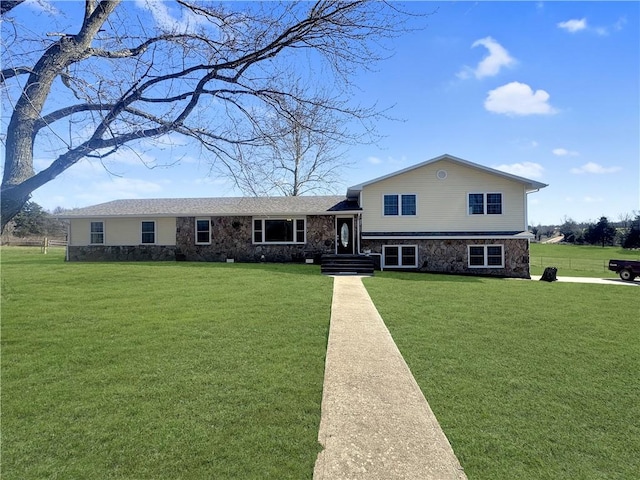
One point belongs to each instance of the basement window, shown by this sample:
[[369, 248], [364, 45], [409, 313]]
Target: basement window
[[486, 256], [400, 256]]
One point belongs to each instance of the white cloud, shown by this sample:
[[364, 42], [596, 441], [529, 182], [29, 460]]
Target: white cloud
[[602, 31], [210, 181], [563, 152], [165, 21], [524, 169], [130, 157], [170, 140], [42, 6], [526, 143], [389, 160], [517, 98], [594, 168], [619, 25], [573, 26], [589, 199], [86, 168], [497, 58], [126, 188]]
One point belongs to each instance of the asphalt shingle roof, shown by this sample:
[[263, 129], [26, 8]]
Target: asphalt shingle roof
[[223, 206]]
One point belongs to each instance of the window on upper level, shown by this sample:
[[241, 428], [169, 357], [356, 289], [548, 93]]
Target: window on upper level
[[399, 205], [485, 204]]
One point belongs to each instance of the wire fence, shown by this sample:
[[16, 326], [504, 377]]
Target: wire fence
[[576, 264]]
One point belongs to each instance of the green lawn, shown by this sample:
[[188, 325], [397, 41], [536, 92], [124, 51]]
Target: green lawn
[[577, 260], [160, 370], [529, 380], [201, 370]]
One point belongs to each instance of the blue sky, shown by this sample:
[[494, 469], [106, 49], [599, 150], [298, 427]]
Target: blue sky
[[545, 90]]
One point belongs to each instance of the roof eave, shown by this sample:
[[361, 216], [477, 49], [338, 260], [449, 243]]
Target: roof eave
[[531, 185], [208, 214]]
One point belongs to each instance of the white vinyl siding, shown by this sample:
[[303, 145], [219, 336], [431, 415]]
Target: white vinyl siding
[[442, 204]]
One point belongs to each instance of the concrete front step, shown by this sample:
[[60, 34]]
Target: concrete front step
[[346, 265]]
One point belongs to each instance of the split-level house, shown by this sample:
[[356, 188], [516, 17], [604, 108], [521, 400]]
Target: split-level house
[[443, 215]]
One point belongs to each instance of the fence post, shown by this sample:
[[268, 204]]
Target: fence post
[[45, 245]]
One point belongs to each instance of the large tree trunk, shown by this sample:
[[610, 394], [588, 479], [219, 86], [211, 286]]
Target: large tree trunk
[[12, 201], [21, 132], [169, 79]]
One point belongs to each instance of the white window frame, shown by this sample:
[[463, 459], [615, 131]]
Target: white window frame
[[262, 230], [91, 232], [485, 262], [208, 220], [484, 203], [400, 264], [399, 199], [155, 232]]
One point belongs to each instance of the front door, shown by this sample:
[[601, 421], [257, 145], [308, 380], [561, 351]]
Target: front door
[[344, 236]]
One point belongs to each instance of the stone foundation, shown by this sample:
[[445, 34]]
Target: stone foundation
[[101, 253], [450, 256]]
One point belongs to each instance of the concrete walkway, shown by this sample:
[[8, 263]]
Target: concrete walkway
[[376, 423], [601, 281]]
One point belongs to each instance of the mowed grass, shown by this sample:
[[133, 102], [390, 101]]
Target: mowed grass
[[160, 370], [529, 380], [577, 260]]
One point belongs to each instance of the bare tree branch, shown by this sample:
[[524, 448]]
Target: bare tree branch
[[8, 73], [7, 5], [225, 81]]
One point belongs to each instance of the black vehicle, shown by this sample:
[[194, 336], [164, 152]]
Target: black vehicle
[[627, 269]]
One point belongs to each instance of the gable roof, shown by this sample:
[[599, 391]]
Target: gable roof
[[531, 185], [221, 206]]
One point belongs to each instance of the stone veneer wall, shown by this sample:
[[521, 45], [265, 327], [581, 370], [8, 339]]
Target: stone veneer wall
[[450, 256], [232, 237], [101, 253]]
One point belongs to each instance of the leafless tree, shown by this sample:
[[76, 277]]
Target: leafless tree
[[304, 151], [121, 77]]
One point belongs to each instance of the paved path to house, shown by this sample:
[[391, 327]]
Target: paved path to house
[[376, 423], [601, 281]]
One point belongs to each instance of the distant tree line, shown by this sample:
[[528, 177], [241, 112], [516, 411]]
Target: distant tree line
[[35, 221], [625, 232]]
